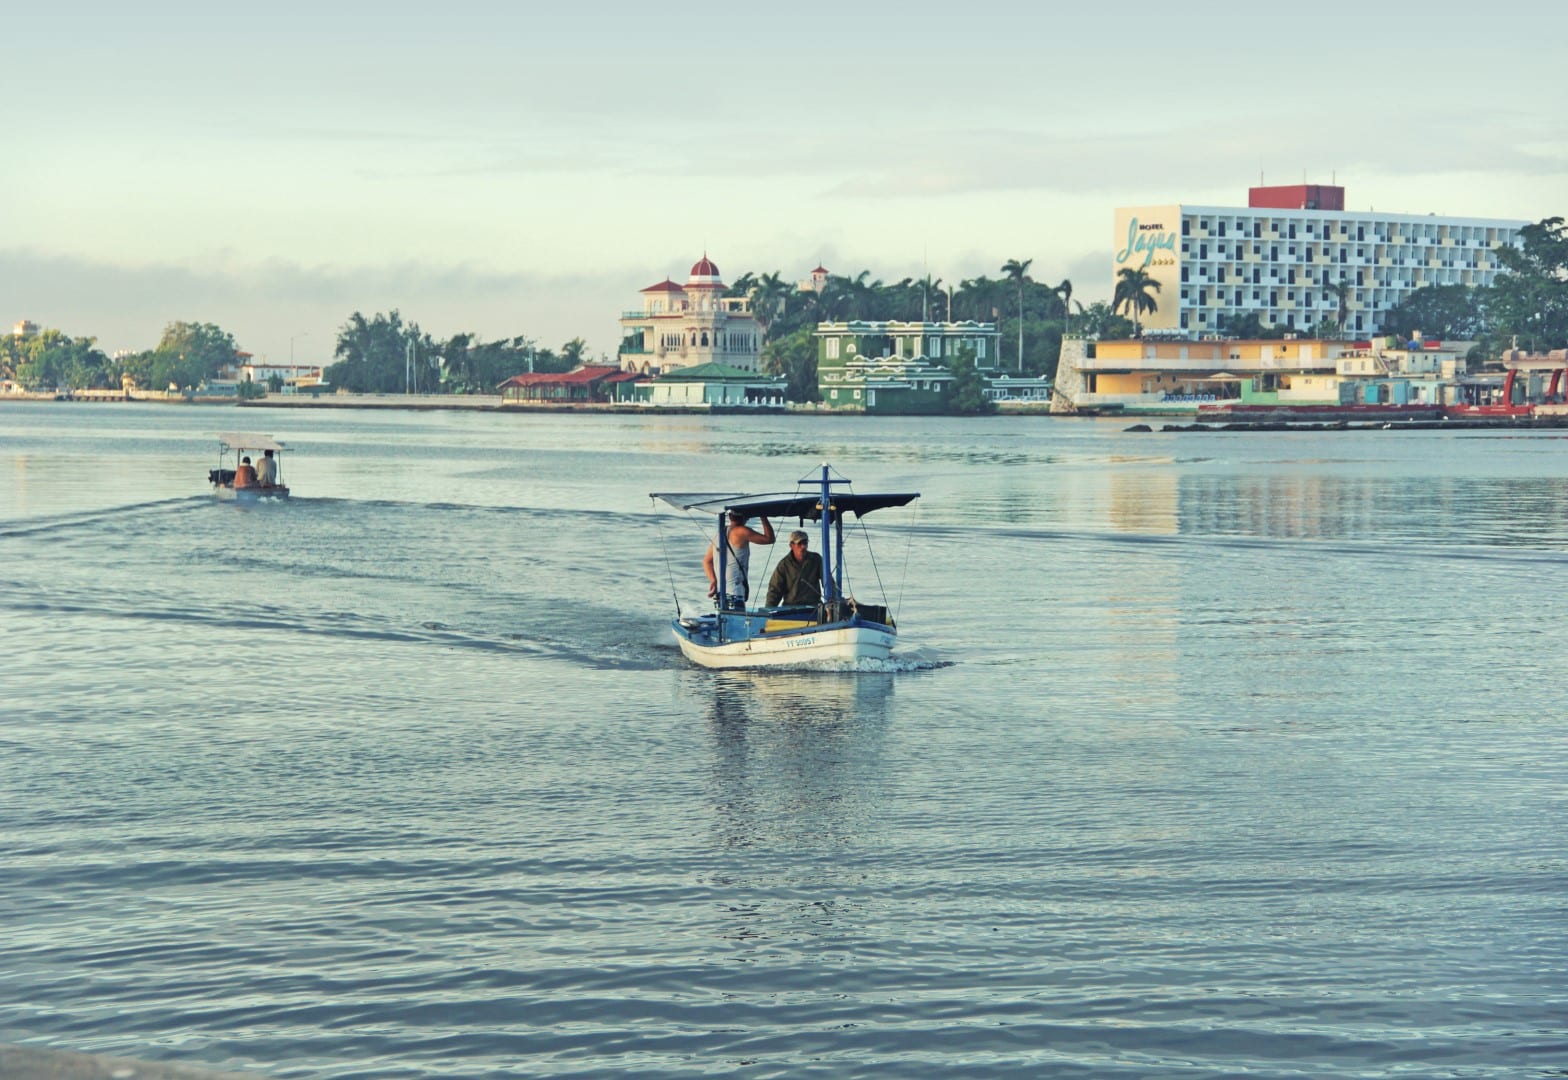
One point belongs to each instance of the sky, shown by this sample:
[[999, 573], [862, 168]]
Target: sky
[[523, 169]]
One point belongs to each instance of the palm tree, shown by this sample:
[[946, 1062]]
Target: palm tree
[[1065, 291], [572, 352], [1341, 291], [1018, 273], [928, 285], [835, 302], [770, 295], [1132, 295], [864, 295]]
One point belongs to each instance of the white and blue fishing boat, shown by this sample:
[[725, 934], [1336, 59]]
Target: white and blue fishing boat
[[839, 630]]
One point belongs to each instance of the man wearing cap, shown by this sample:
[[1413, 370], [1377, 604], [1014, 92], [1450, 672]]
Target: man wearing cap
[[798, 577]]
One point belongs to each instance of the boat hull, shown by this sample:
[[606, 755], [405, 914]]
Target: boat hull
[[832, 644], [248, 495]]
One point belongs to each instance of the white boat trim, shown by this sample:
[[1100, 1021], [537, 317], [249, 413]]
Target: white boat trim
[[842, 644]]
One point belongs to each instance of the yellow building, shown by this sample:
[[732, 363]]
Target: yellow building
[[1148, 375]]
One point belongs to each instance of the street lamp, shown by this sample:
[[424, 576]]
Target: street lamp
[[296, 337]]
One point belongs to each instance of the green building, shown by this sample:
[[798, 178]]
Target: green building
[[715, 385], [898, 367]]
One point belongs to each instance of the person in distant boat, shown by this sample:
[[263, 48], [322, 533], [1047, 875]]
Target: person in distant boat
[[798, 577], [245, 475], [267, 470], [737, 560]]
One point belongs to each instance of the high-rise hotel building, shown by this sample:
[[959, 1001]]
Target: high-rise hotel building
[[1281, 254]]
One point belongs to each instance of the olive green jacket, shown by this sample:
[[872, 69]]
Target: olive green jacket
[[796, 582]]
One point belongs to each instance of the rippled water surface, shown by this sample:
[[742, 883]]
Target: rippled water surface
[[1204, 755]]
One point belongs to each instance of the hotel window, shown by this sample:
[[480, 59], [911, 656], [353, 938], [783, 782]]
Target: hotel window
[[980, 349], [832, 348]]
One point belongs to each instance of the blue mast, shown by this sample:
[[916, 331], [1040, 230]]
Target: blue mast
[[721, 544], [825, 521]]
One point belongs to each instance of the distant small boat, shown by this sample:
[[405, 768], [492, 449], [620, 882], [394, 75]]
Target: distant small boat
[[839, 629], [234, 480]]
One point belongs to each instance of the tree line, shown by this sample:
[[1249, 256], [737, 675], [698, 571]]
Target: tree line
[[187, 354]]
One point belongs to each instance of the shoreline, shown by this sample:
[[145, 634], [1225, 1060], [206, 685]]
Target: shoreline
[[490, 403]]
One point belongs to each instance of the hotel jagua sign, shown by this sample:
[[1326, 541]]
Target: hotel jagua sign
[[1148, 244], [1148, 238]]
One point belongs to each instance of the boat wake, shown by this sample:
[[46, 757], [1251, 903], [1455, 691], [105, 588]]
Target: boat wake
[[914, 660], [89, 519]]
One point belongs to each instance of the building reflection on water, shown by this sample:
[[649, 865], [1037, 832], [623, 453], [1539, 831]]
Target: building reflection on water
[[1309, 505]]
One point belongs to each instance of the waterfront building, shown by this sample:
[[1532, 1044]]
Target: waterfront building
[[24, 329], [898, 367], [716, 386], [297, 375], [1017, 389], [1152, 375], [685, 325], [588, 384], [1282, 255], [1171, 376]]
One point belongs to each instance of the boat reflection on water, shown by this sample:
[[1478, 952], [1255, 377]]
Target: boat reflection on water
[[797, 755]]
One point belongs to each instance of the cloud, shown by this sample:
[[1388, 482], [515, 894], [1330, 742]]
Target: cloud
[[1181, 161], [274, 306]]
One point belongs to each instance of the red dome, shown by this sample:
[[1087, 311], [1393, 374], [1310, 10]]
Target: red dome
[[705, 268]]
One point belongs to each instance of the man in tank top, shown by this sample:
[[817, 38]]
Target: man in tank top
[[737, 561]]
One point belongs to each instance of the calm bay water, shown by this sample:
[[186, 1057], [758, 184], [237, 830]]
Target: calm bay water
[[1206, 755]]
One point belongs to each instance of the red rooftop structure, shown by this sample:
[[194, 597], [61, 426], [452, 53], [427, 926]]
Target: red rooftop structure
[[589, 384], [1297, 197]]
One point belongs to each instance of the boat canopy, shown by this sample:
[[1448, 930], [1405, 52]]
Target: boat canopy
[[247, 440], [804, 505]]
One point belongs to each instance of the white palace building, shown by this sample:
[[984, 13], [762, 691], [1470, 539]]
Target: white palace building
[[1279, 256], [682, 326]]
